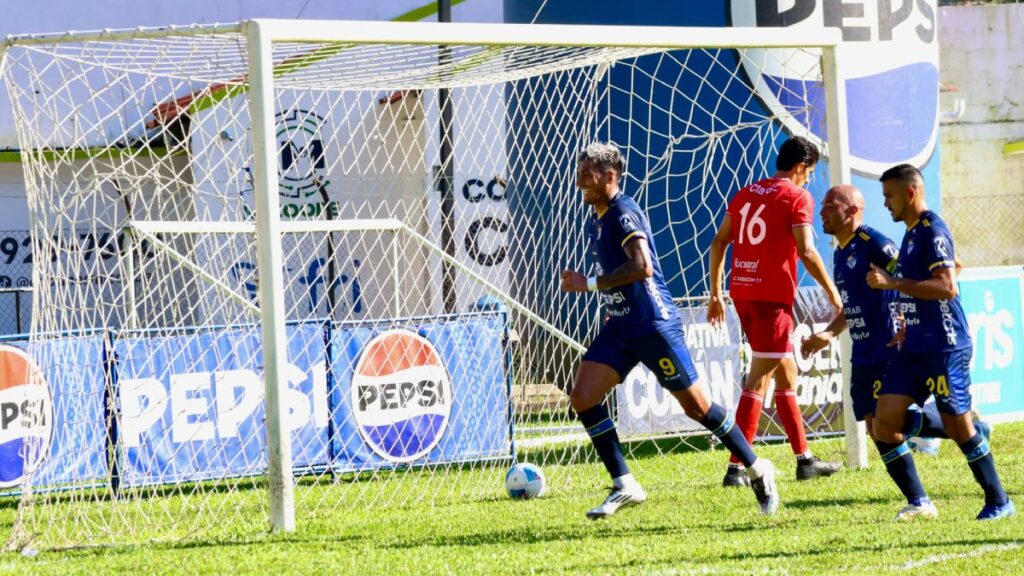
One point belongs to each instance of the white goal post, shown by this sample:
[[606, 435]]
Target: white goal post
[[262, 34], [274, 202]]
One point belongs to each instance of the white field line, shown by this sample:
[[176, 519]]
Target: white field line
[[979, 551]]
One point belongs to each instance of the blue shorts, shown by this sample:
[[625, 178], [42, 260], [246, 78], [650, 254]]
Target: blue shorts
[[662, 351], [865, 386], [946, 375]]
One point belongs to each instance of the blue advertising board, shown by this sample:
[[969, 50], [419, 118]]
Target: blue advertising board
[[189, 406], [993, 302]]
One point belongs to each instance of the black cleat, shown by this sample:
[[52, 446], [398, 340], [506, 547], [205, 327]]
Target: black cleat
[[814, 467], [735, 478]]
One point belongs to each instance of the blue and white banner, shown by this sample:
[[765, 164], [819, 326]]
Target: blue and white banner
[[993, 302], [189, 407], [75, 453], [436, 394], [645, 408], [192, 406]]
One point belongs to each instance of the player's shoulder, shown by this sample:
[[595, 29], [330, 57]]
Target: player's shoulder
[[624, 203], [933, 223], [624, 207], [869, 234]]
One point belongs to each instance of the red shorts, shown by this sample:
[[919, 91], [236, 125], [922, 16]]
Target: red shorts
[[768, 327]]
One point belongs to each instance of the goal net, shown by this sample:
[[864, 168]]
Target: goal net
[[323, 258]]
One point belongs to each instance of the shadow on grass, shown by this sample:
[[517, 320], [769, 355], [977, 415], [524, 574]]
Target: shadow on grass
[[806, 503]]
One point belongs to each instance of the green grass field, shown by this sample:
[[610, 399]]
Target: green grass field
[[690, 525]]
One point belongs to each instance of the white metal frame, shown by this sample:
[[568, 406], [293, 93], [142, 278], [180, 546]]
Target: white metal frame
[[261, 34]]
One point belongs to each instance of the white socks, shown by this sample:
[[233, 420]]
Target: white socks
[[757, 469], [626, 481]]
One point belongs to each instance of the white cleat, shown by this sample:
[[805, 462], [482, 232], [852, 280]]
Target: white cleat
[[618, 498], [764, 487], [924, 510]]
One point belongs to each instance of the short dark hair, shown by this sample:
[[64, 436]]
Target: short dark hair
[[603, 155], [906, 173], [794, 151]]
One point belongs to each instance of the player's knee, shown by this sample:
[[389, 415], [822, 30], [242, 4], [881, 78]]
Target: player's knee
[[581, 399], [959, 428], [695, 413], [887, 428]]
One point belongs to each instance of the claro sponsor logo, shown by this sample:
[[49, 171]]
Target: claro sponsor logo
[[401, 396], [26, 416]]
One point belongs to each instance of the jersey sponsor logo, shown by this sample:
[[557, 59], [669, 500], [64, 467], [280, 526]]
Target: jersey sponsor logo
[[761, 190], [26, 416], [748, 265], [886, 43], [611, 298], [948, 323], [401, 396]]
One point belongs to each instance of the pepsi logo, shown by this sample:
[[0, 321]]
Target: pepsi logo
[[890, 68], [401, 396], [26, 416]]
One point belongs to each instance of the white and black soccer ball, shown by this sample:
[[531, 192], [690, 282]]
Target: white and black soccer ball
[[524, 481], [929, 446]]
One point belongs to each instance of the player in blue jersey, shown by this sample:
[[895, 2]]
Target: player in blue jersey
[[871, 315], [642, 326], [935, 351]]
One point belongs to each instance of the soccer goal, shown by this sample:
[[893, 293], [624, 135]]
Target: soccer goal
[[283, 268]]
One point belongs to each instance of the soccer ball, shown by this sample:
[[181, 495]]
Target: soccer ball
[[929, 446], [524, 481]]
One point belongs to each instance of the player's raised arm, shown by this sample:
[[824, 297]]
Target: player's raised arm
[[808, 254], [716, 305], [637, 267], [941, 286]]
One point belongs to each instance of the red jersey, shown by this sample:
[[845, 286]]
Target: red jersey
[[763, 216]]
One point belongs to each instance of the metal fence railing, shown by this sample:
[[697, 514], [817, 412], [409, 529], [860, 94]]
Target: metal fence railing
[[15, 310]]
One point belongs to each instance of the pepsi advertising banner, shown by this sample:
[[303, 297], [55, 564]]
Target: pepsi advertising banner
[[190, 406], [438, 394], [26, 416]]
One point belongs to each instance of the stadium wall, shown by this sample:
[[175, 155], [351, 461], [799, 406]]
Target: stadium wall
[[983, 117]]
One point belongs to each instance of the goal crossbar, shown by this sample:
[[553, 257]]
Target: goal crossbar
[[464, 33]]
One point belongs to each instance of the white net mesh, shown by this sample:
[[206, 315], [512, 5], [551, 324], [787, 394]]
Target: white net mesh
[[404, 385]]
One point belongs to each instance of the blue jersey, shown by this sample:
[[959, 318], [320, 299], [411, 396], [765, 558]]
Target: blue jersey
[[870, 314], [643, 306], [932, 325]]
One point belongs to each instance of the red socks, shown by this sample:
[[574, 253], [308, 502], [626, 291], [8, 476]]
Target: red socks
[[748, 414], [792, 419]]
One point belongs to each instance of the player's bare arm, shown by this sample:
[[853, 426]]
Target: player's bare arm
[[811, 260], [941, 286], [819, 340], [637, 268], [716, 305]]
